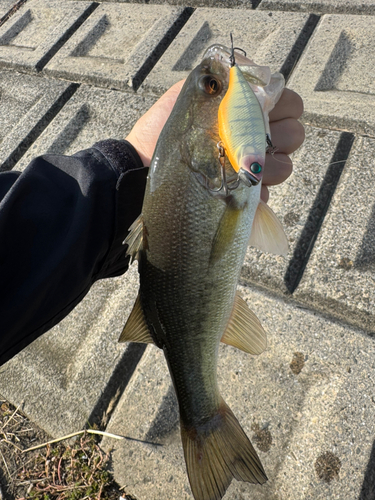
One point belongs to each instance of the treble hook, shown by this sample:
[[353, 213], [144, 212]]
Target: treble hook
[[221, 156], [224, 186], [232, 59]]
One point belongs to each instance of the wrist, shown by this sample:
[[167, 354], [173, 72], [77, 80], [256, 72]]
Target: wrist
[[140, 148]]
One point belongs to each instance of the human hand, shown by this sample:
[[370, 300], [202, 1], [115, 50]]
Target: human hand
[[286, 131], [287, 135], [145, 133]]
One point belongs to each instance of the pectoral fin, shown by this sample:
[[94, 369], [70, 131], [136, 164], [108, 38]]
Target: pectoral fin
[[136, 239], [136, 329], [244, 330], [267, 233]]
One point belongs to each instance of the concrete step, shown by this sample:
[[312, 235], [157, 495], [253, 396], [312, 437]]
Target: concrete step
[[307, 404]]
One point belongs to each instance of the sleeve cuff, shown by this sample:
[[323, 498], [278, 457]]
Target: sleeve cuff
[[121, 155]]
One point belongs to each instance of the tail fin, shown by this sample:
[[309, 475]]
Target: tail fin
[[216, 452]]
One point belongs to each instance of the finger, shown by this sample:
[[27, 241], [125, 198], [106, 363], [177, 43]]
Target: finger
[[162, 108], [278, 168], [287, 135], [290, 105], [145, 132], [168, 99], [264, 193]]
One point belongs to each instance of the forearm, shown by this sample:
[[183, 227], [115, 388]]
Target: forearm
[[62, 223]]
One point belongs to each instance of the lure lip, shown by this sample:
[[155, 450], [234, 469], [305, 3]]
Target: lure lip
[[247, 178], [255, 178]]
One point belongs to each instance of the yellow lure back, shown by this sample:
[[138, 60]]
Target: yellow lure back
[[241, 126]]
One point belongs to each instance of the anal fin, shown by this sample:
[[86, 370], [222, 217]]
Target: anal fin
[[244, 330], [136, 329]]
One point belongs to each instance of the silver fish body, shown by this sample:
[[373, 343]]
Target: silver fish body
[[190, 242]]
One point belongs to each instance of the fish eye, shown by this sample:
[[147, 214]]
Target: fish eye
[[210, 85]]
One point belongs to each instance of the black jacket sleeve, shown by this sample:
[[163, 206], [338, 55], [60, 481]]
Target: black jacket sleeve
[[62, 224]]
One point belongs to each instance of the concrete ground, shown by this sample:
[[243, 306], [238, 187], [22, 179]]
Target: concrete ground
[[74, 72]]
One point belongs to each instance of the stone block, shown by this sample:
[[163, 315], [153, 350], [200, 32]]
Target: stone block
[[27, 105], [300, 204], [37, 30], [335, 74], [118, 44], [91, 115], [74, 372], [340, 276], [6, 6], [268, 38], [306, 403], [321, 6]]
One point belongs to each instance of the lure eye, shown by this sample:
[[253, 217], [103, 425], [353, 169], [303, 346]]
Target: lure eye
[[256, 168], [210, 85]]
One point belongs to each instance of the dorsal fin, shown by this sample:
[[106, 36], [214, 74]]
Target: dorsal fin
[[136, 239], [267, 233], [136, 329], [244, 330]]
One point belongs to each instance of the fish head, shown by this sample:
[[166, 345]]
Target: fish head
[[204, 91], [191, 134]]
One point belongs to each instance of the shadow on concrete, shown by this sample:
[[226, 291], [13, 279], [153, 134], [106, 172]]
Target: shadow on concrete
[[116, 385], [299, 46], [305, 244], [64, 140], [39, 128], [368, 486], [195, 47], [336, 64], [162, 46], [167, 418], [83, 48]]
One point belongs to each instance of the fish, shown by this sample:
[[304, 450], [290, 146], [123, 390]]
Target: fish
[[190, 242]]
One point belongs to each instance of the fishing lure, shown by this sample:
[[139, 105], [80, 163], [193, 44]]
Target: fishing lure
[[242, 130]]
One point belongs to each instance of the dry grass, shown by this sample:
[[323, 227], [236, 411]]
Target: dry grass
[[62, 471]]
